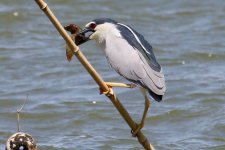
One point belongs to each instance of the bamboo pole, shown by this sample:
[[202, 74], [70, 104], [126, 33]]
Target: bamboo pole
[[140, 136]]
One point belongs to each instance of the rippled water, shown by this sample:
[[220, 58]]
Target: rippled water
[[188, 37]]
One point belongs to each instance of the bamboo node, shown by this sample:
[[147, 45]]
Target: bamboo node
[[42, 4], [76, 51]]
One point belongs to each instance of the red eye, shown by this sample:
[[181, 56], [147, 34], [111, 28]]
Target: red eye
[[92, 25]]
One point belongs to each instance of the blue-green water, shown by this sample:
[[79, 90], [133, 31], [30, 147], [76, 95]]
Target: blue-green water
[[188, 37]]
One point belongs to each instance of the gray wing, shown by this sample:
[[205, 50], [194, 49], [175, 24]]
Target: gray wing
[[139, 43], [129, 62]]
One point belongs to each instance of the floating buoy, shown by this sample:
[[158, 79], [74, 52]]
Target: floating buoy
[[21, 141]]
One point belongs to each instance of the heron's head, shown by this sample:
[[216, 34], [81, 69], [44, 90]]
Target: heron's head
[[99, 29]]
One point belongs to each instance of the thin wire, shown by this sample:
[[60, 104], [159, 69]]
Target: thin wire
[[18, 113]]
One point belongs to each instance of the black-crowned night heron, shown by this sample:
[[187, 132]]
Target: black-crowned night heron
[[131, 56]]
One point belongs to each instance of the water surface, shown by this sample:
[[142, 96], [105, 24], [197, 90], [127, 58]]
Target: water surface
[[188, 40]]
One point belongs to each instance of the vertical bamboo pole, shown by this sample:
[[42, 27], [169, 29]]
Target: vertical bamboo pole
[[141, 138]]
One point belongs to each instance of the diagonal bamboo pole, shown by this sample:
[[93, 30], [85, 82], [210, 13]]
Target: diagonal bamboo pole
[[141, 138]]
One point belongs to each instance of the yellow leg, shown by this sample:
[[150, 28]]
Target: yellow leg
[[123, 85], [115, 84], [147, 105]]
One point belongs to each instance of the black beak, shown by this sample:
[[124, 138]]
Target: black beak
[[81, 38], [86, 30], [78, 33]]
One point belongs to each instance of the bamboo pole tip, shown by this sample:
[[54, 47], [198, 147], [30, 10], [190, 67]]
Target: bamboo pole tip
[[41, 4]]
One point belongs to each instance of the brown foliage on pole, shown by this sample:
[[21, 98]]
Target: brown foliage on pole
[[141, 138]]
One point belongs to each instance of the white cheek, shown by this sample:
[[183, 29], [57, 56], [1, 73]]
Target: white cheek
[[93, 36], [99, 38]]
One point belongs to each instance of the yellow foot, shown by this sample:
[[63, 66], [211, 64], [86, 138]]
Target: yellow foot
[[108, 93], [114, 84], [139, 127]]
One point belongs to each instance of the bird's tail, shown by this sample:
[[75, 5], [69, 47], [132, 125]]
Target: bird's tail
[[156, 97]]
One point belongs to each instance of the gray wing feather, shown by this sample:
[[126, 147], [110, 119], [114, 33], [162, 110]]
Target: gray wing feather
[[131, 64], [137, 41]]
